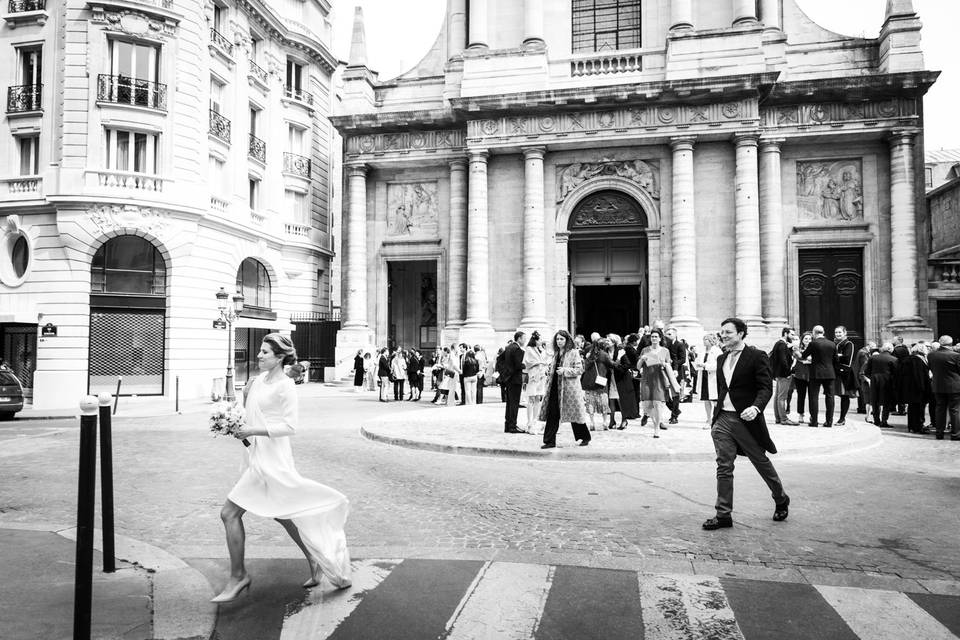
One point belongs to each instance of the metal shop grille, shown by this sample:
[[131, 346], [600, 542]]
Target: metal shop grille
[[128, 344]]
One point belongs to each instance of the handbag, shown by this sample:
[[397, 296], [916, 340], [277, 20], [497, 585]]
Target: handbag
[[600, 380]]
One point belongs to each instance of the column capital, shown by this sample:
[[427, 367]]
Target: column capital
[[458, 163], [356, 169], [746, 138], [771, 144], [478, 155], [534, 152], [562, 237], [683, 143], [902, 136]]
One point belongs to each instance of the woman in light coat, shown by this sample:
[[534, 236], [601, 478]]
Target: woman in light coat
[[535, 368], [707, 366], [398, 369], [563, 396]]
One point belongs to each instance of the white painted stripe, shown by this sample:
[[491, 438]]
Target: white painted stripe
[[505, 603], [682, 607], [874, 614], [325, 607]]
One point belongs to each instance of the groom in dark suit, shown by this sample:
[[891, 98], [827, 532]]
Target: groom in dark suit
[[744, 388]]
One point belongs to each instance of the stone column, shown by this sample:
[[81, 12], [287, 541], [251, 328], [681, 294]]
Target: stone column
[[478, 24], [744, 12], [684, 241], [457, 254], [770, 13], [534, 315], [456, 27], [681, 15], [355, 273], [772, 252], [477, 327], [533, 24], [747, 231], [903, 235]]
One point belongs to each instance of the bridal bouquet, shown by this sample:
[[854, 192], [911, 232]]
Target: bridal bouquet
[[226, 418]]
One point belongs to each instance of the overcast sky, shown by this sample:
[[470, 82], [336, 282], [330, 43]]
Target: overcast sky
[[400, 33]]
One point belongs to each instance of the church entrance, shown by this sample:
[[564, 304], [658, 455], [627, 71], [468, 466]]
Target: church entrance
[[412, 304], [608, 265]]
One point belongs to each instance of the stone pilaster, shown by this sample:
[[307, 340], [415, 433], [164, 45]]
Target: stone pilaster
[[744, 12], [478, 24], [904, 304], [534, 314], [772, 250], [684, 241], [533, 24], [681, 15], [747, 232], [457, 253], [561, 283], [477, 328], [355, 332]]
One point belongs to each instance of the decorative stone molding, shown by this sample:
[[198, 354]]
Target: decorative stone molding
[[830, 190], [808, 115], [112, 219], [412, 210], [645, 174], [645, 118], [148, 22], [607, 209], [407, 142]]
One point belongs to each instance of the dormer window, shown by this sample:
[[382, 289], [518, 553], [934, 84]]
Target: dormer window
[[605, 25]]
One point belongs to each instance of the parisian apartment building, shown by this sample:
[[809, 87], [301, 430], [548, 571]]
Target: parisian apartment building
[[155, 153]]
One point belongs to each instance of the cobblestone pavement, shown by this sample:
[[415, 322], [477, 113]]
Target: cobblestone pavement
[[887, 513]]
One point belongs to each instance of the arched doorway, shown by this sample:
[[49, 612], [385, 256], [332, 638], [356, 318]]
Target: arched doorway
[[128, 306], [608, 264], [253, 282]]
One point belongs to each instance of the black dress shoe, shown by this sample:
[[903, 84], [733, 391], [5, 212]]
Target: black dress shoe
[[940, 436], [663, 427], [514, 431], [827, 425], [782, 510], [584, 443], [840, 423], [672, 421], [718, 523], [643, 421], [548, 446]]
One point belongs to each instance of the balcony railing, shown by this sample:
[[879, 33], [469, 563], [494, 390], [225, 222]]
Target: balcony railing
[[257, 149], [299, 230], [612, 63], [124, 90], [23, 185], [944, 271], [297, 165], [130, 180], [22, 6], [219, 126], [221, 41], [24, 97], [257, 218], [219, 204], [257, 72], [298, 94]]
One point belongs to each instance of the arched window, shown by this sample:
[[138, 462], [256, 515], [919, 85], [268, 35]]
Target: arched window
[[129, 264], [253, 282]]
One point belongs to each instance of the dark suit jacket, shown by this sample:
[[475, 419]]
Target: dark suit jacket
[[823, 353], [945, 366], [512, 365], [914, 380], [751, 385], [781, 357], [383, 367], [881, 364]]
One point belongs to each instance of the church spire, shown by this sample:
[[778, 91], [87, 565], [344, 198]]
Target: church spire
[[358, 42]]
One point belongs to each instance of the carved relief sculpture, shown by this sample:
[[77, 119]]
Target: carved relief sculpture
[[607, 208], [412, 209], [644, 174], [830, 190]]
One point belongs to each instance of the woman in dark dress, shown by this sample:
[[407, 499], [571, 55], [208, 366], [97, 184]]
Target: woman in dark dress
[[358, 371], [915, 387], [627, 383]]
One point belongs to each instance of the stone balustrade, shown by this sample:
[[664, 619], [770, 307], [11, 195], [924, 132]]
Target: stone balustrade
[[612, 63], [129, 180]]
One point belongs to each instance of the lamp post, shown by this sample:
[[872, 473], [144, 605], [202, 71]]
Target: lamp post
[[229, 313]]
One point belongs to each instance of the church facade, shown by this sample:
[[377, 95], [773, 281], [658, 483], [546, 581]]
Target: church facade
[[598, 166]]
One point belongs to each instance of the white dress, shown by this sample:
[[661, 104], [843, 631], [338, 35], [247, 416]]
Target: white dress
[[270, 485]]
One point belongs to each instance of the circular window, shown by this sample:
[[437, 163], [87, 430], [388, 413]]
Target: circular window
[[15, 254]]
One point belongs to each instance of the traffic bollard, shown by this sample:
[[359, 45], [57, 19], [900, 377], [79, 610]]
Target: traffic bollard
[[116, 396], [177, 395], [106, 483], [86, 497]]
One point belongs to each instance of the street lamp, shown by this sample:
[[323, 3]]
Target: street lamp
[[229, 314]]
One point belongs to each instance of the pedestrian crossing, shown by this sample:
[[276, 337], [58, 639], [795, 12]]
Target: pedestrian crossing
[[421, 599]]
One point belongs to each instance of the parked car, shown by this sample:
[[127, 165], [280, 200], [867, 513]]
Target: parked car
[[11, 394]]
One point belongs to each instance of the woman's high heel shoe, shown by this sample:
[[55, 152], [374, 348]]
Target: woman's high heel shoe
[[315, 575], [232, 594]]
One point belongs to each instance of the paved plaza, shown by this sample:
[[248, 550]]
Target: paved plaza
[[878, 516]]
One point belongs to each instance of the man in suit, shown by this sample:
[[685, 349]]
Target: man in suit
[[823, 371], [901, 353], [945, 367], [863, 387], [512, 381], [744, 388], [678, 359], [881, 370], [781, 366]]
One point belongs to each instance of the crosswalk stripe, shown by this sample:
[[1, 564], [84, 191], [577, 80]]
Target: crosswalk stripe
[[883, 615], [505, 603], [943, 608], [682, 607], [588, 604], [324, 610]]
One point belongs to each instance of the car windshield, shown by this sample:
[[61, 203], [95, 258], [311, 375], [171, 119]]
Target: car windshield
[[8, 378]]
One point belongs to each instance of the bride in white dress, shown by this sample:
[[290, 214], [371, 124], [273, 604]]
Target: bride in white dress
[[313, 514]]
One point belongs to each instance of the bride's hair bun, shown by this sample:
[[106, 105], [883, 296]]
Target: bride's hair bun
[[282, 347]]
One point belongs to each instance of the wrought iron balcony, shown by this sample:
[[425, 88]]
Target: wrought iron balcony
[[257, 149], [22, 6], [298, 94], [24, 97], [221, 41], [125, 90], [257, 72], [296, 164], [219, 126]]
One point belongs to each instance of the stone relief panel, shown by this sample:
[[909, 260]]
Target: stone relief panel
[[412, 210], [830, 190], [945, 220], [645, 174], [803, 115], [607, 208], [411, 141], [116, 218]]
